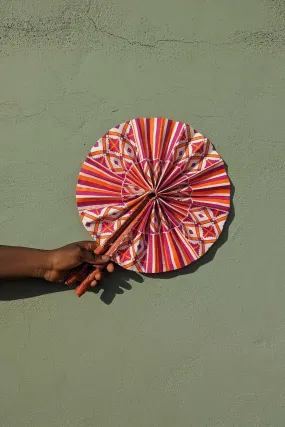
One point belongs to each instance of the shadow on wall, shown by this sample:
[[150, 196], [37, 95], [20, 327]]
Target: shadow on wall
[[116, 283], [110, 286]]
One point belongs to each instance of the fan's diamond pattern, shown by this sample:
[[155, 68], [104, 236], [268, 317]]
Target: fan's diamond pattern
[[184, 178]]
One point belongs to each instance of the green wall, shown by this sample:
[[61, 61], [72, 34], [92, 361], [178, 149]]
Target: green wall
[[205, 348]]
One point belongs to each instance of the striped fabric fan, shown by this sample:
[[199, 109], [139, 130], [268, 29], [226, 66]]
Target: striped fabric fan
[[178, 169]]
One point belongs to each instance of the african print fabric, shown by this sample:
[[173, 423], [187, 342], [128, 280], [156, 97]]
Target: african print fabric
[[179, 168]]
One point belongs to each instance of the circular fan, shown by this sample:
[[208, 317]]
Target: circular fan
[[185, 178]]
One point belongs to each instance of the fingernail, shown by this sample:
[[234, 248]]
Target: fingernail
[[105, 257]]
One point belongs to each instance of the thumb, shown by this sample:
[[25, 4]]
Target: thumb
[[91, 258], [87, 244], [87, 254]]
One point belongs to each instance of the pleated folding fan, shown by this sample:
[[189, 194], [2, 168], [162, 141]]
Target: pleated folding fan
[[167, 173]]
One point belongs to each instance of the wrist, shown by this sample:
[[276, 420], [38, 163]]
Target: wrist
[[43, 263]]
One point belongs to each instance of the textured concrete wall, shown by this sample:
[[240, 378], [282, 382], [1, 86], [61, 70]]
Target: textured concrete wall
[[201, 349]]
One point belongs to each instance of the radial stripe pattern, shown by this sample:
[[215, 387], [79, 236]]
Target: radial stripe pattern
[[186, 178]]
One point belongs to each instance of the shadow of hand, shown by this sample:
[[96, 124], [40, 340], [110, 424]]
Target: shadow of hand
[[115, 284], [112, 285], [27, 288]]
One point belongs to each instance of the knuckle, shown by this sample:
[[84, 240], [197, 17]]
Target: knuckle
[[78, 251]]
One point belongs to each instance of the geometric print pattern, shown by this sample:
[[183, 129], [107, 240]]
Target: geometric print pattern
[[181, 171]]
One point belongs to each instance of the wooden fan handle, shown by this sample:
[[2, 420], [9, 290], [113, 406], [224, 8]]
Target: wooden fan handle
[[82, 288], [75, 276], [110, 249]]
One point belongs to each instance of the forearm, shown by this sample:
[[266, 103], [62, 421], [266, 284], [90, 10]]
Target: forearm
[[17, 262]]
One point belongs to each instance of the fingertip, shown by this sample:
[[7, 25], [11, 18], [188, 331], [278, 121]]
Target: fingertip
[[101, 259], [98, 276], [110, 268], [93, 283]]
